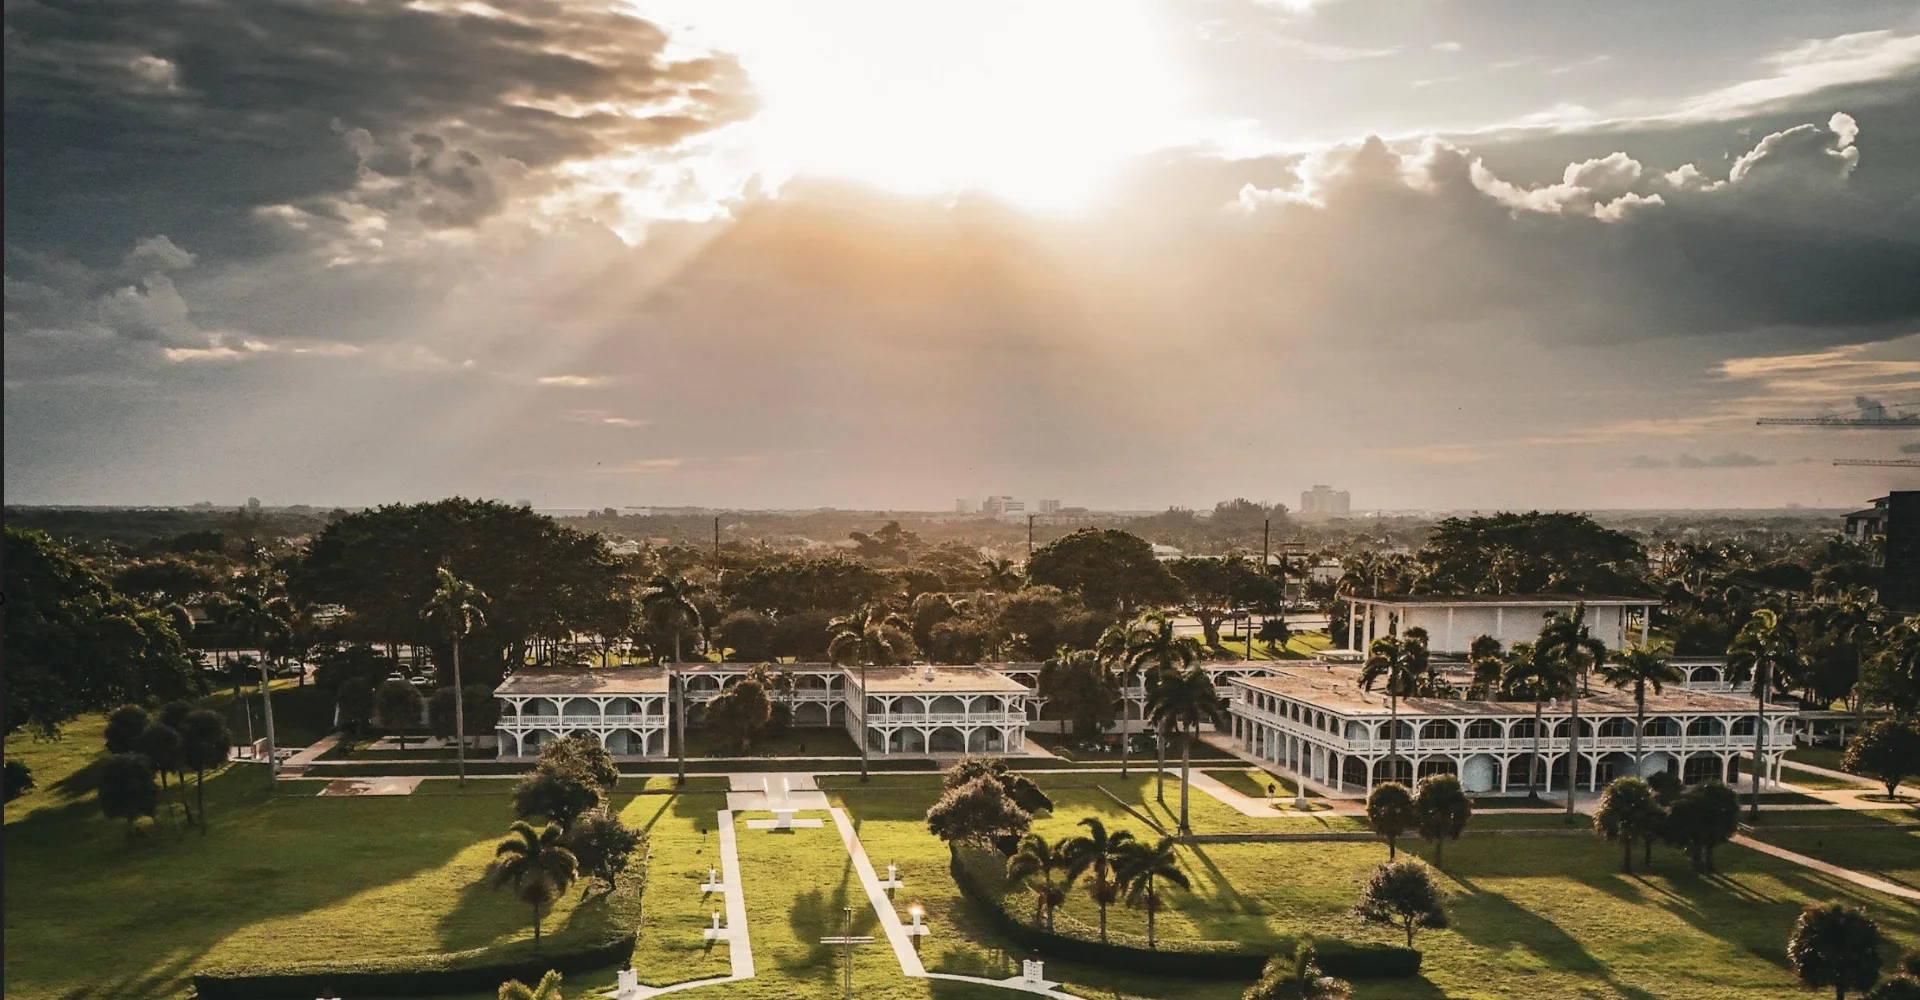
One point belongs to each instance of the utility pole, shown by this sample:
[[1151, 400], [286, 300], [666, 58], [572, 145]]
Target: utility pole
[[1029, 537], [716, 543]]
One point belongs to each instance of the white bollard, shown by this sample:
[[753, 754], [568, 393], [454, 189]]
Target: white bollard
[[716, 920], [1033, 970], [629, 985]]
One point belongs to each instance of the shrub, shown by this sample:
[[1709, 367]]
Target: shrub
[[124, 727], [1403, 893], [1390, 813], [19, 780], [1888, 750], [1837, 946], [977, 812]]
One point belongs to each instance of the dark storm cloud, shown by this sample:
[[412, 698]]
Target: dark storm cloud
[[125, 119]]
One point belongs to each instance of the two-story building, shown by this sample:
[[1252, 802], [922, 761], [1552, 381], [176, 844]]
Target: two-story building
[[624, 707], [1314, 720], [931, 709], [1453, 621]]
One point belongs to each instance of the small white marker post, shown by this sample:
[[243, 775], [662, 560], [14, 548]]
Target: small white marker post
[[846, 941], [916, 929], [715, 932], [713, 883]]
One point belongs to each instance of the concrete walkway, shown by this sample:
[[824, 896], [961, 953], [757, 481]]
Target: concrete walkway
[[1857, 878], [1827, 772], [739, 945], [897, 937], [297, 764]]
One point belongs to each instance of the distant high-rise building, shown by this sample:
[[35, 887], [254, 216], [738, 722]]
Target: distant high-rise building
[[1049, 506], [1000, 506], [1325, 500], [965, 506]]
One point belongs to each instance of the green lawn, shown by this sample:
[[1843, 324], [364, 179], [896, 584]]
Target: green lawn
[[1534, 916], [1892, 854], [818, 742], [1808, 779], [1303, 645], [1827, 757]]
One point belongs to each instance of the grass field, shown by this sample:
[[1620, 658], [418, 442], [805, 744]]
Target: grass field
[[1534, 916], [1892, 854], [810, 742], [1808, 779]]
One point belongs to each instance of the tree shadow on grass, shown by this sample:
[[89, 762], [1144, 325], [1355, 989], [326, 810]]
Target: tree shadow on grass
[[1496, 923]]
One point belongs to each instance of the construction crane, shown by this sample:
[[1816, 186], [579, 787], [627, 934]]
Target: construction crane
[[1873, 415]]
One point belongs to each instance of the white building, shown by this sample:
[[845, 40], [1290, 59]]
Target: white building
[[1002, 506], [624, 707], [1326, 501], [1049, 507], [1452, 621], [1312, 719], [929, 709]]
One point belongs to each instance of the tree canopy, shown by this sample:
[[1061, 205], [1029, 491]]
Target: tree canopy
[[1112, 571], [1532, 553]]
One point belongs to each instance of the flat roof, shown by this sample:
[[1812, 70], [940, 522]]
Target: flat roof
[[1513, 600], [1335, 687], [911, 680], [597, 680]]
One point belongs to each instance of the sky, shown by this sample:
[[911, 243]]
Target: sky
[[1443, 254]]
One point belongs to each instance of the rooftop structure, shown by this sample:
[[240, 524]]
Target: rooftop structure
[[1452, 621]]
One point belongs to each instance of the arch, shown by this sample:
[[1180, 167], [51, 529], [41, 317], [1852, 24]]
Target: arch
[[1439, 729], [1484, 729], [1743, 726], [836, 714], [535, 739], [624, 743], [1564, 729], [508, 709], [623, 706], [1523, 730], [906, 741], [1616, 727], [876, 707], [1518, 767], [580, 708], [1353, 771], [947, 739], [986, 739], [1438, 765], [1404, 728], [1662, 725], [946, 704], [810, 714], [1397, 769], [1480, 773], [1698, 767], [810, 682], [1706, 726], [542, 706], [1704, 675], [702, 684]]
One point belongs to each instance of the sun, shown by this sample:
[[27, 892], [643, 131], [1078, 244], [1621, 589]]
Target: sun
[[1037, 102]]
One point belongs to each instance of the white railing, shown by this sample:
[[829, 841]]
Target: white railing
[[581, 721], [948, 719]]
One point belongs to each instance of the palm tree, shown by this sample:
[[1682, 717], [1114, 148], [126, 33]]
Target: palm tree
[[1297, 976], [873, 635], [1762, 652], [535, 864], [1526, 678], [1640, 667], [1001, 574], [549, 988], [1568, 648], [1101, 852], [455, 608], [1037, 857], [1142, 868], [1183, 701], [1489, 667], [1113, 647], [1275, 634], [1152, 643], [256, 612], [668, 604], [1398, 661]]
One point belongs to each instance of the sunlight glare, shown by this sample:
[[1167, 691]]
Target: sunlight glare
[[1037, 102]]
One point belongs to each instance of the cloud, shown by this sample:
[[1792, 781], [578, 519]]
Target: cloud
[[1809, 67], [1728, 460], [572, 381], [1648, 462]]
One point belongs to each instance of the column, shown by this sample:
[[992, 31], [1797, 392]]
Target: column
[[1353, 623], [1450, 628]]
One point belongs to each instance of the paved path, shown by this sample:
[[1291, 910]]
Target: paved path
[[1827, 772], [1857, 878], [1239, 801], [297, 764], [739, 945], [897, 937]]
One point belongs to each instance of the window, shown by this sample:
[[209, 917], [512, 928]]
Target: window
[[1706, 727], [1438, 729], [1483, 729]]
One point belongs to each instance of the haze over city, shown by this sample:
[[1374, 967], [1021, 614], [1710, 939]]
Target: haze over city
[[1446, 255]]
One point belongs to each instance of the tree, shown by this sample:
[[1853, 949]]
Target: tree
[[1001, 575], [1889, 750], [1638, 668], [1835, 945], [1111, 570], [1099, 853], [739, 715], [1183, 701], [1441, 810], [160, 744], [1036, 863], [126, 790], [74, 644], [1566, 648], [455, 609], [1628, 811], [747, 635], [549, 988], [1209, 589], [257, 614], [1390, 813], [1076, 684], [1275, 634], [1892, 676], [398, 704], [1902, 987], [669, 605], [976, 812], [581, 757], [1115, 648], [1701, 819], [574, 775], [872, 635], [205, 743], [1038, 621], [355, 703], [535, 865], [1296, 975], [1532, 553], [1403, 893], [124, 727], [19, 780], [1489, 665], [1534, 680], [480, 708], [1154, 651], [1763, 652], [601, 845], [1397, 661], [1018, 787], [1142, 868]]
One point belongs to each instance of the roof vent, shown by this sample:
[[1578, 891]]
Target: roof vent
[[929, 672]]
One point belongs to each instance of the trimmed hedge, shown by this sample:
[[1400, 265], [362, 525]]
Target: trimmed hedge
[[431, 975], [1197, 959], [710, 765]]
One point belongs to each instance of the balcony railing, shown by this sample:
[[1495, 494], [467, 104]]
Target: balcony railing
[[948, 719], [582, 721]]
